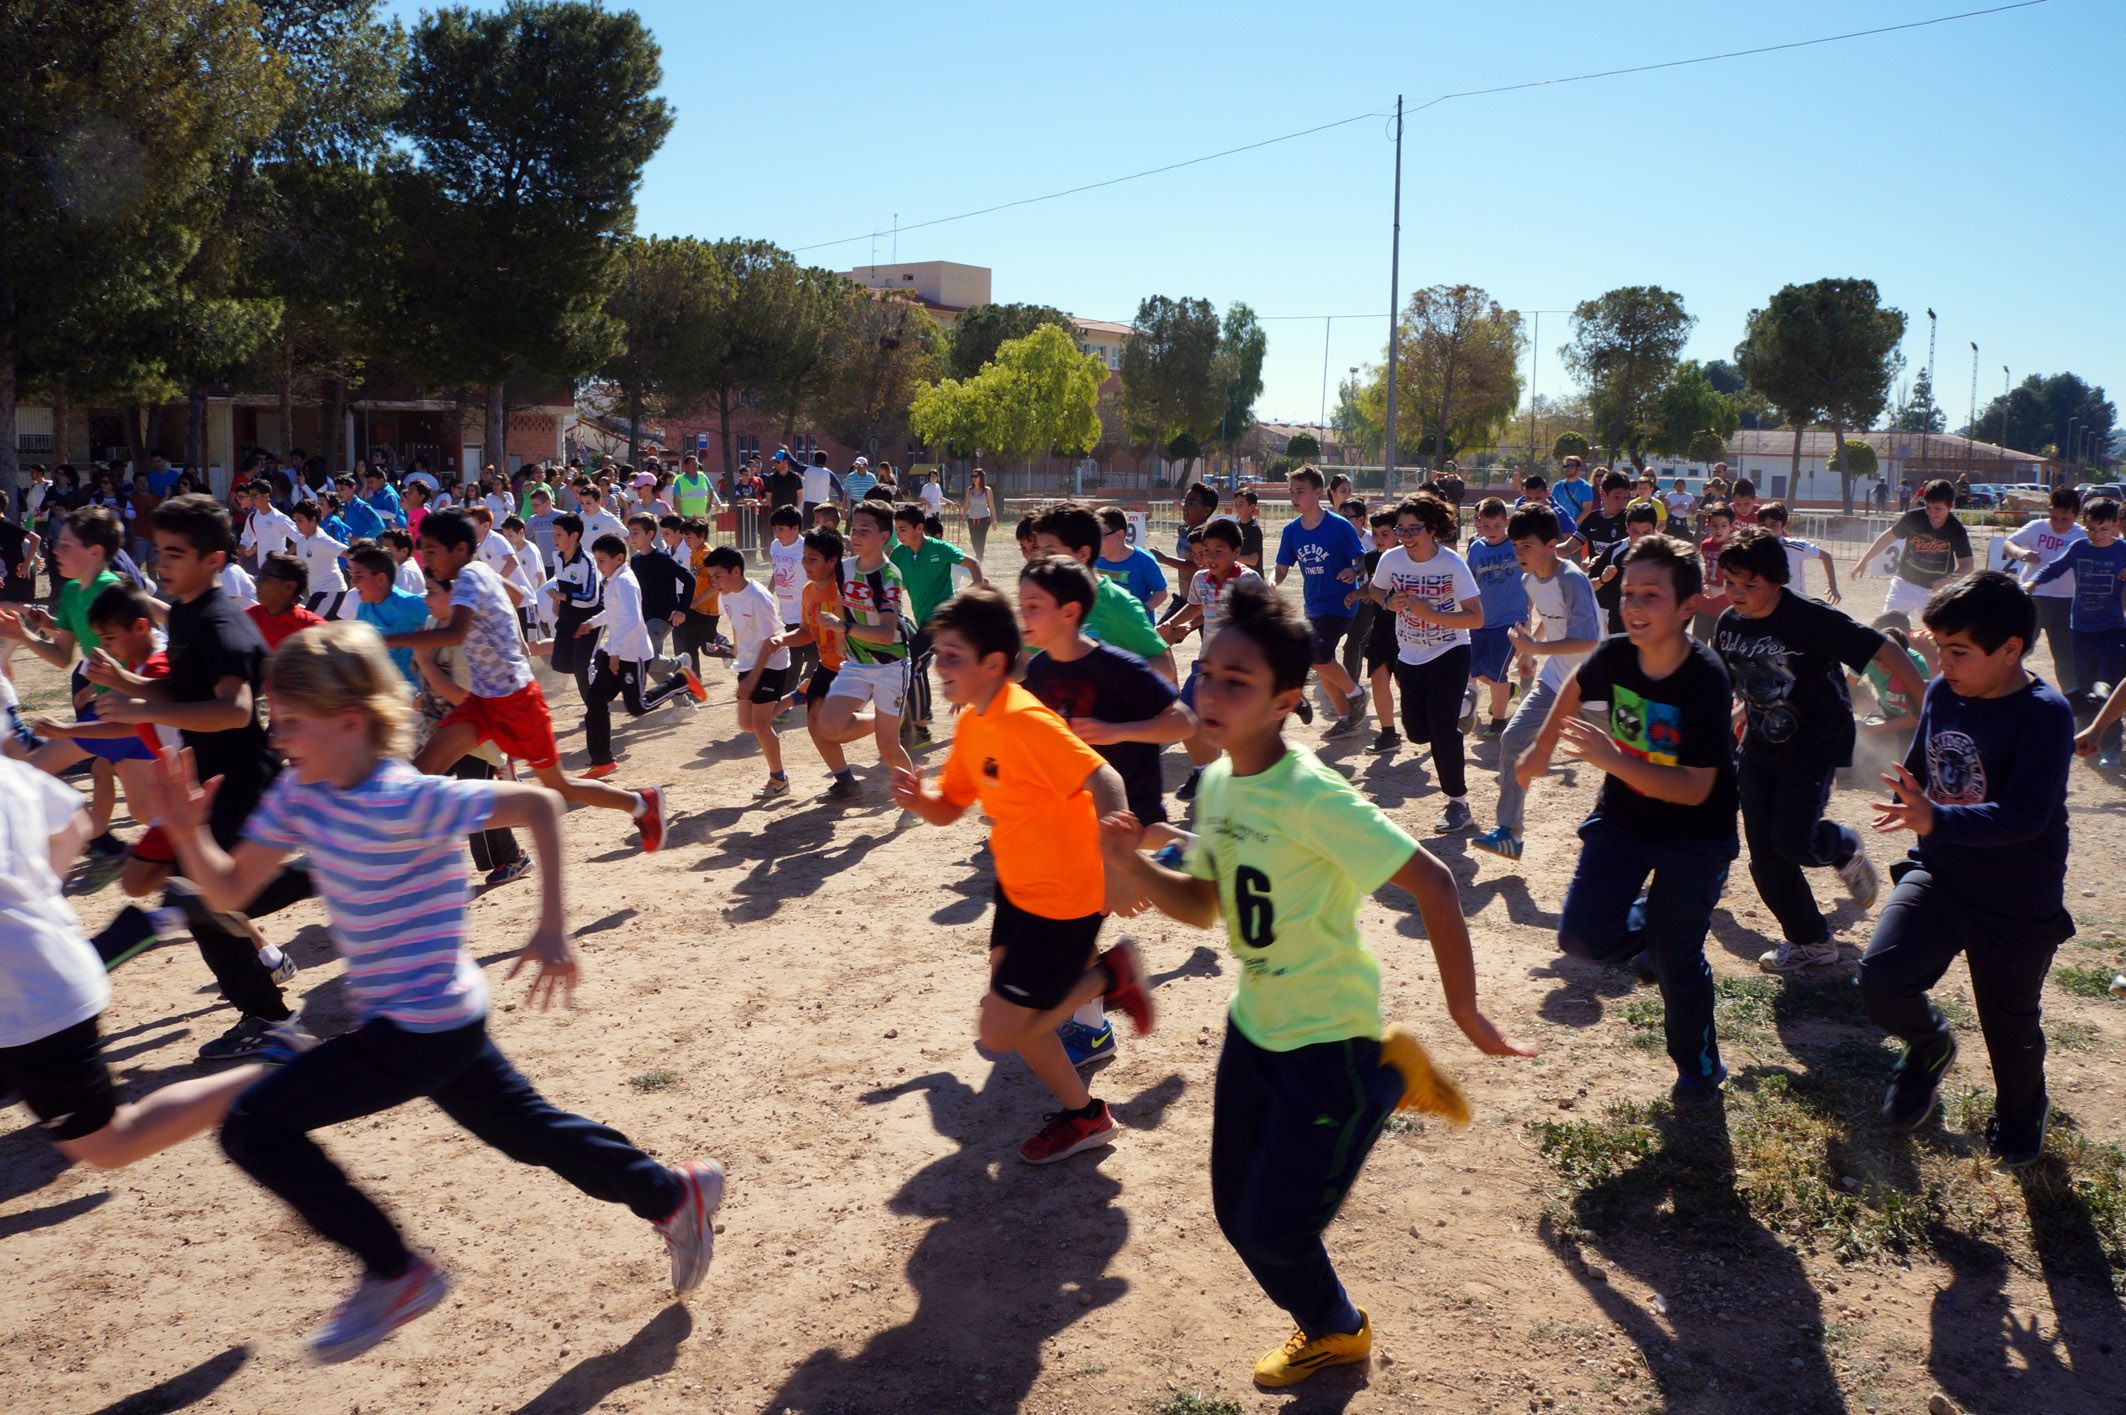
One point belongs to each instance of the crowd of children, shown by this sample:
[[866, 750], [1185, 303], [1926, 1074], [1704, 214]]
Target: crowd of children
[[1711, 693]]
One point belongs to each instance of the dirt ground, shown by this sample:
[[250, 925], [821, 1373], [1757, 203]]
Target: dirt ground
[[792, 989]]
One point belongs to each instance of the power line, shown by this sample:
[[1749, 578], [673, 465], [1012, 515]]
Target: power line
[[1432, 103]]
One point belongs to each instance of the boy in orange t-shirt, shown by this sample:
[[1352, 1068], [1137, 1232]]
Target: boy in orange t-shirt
[[1045, 791]]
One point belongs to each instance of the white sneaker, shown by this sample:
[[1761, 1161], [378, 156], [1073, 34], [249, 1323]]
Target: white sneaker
[[1797, 957], [1857, 874], [690, 1232], [378, 1307]]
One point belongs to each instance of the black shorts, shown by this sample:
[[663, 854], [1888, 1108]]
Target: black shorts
[[817, 685], [1380, 642], [1043, 958], [63, 1080], [1327, 632], [774, 682]]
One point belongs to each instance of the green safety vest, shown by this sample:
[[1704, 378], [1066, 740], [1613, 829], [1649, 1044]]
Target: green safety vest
[[692, 497]]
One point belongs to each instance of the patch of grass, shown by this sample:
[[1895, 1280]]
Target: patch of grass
[[1403, 1123], [1642, 1013], [655, 1080], [1954, 1010], [1187, 1402], [1592, 1152], [2071, 1036], [2088, 1185], [2078, 980]]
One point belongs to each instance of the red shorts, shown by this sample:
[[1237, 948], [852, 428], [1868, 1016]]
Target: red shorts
[[519, 725], [153, 847]]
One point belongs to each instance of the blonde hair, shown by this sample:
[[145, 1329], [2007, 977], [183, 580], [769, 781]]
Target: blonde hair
[[343, 666]]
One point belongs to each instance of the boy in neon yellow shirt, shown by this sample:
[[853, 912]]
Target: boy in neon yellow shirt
[[1285, 849]]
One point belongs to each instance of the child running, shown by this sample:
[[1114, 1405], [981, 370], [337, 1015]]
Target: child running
[[1568, 625], [624, 667], [1785, 656], [822, 600], [874, 671], [1285, 850], [1666, 808], [1045, 791], [2097, 618], [396, 898], [505, 706], [1436, 604], [1984, 792], [1495, 564], [1329, 555], [761, 658], [1116, 705]]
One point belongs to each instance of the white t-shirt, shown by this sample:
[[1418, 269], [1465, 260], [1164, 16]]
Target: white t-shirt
[[237, 584], [1555, 601], [754, 617], [1798, 555], [819, 485], [50, 978], [2050, 545], [409, 577], [1679, 503], [786, 577], [525, 577], [1441, 583], [605, 523], [268, 534], [499, 503], [320, 555], [933, 498]]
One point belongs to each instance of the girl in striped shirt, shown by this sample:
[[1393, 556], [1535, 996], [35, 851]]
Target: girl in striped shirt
[[397, 898]]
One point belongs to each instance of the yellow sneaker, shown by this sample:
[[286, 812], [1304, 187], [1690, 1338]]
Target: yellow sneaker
[[1299, 1358], [1425, 1087]]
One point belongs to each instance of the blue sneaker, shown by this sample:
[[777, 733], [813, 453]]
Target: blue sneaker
[[1698, 1092], [1501, 842], [1169, 855], [1087, 1046]]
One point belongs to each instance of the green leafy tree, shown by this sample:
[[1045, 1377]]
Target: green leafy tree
[[1242, 346], [112, 135], [1171, 383], [1570, 444], [798, 366], [1828, 346], [1458, 367], [1624, 348], [1688, 407], [1707, 447], [1920, 412], [1037, 395], [1855, 458], [975, 336], [1357, 425], [886, 349], [529, 127], [2041, 408], [667, 297], [1303, 447]]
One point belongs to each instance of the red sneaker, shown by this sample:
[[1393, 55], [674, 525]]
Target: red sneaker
[[1128, 991], [600, 771], [651, 821], [1065, 1135], [694, 689]]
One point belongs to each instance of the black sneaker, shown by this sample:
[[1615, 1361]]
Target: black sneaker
[[2023, 1148], [1387, 740], [1455, 819], [1698, 1092], [1916, 1082], [1186, 791], [241, 1042], [1306, 709], [1345, 726]]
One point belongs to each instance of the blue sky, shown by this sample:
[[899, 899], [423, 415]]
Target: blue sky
[[1970, 166]]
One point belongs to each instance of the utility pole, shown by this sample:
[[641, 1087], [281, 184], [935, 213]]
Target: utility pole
[[1395, 270], [1973, 423], [1326, 322], [1535, 343], [2004, 413], [1933, 396]]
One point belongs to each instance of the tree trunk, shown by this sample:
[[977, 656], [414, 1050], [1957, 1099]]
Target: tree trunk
[[723, 422], [136, 436], [634, 418], [59, 416], [335, 438], [196, 427], [496, 452], [287, 392], [10, 474], [1794, 475], [1845, 473]]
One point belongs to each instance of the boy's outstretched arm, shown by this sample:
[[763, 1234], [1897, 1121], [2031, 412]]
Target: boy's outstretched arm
[[539, 811], [227, 881], [1177, 895], [1438, 902]]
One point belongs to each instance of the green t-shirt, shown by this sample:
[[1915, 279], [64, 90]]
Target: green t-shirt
[[1895, 705], [927, 572], [1119, 620], [524, 506], [72, 614], [1293, 850]]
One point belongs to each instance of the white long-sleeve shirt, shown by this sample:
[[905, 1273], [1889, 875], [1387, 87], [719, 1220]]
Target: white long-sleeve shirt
[[627, 636], [320, 555]]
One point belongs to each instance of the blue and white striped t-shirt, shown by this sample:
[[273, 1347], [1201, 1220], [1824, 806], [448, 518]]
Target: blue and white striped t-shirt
[[389, 859]]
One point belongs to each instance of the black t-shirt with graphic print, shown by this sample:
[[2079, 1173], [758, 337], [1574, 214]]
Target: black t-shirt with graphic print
[[1789, 670]]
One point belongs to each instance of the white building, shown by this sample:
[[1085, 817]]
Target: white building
[[1767, 458]]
